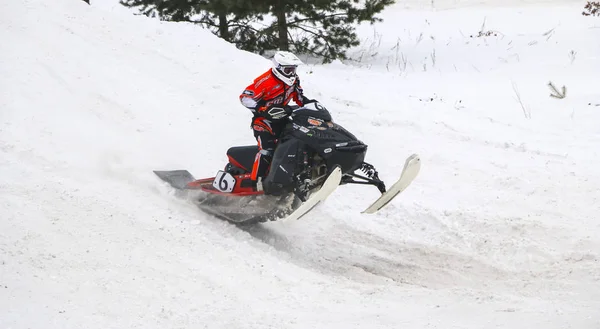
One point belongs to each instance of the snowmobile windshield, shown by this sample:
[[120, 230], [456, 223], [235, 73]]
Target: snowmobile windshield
[[315, 110]]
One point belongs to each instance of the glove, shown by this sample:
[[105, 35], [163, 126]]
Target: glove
[[277, 112]]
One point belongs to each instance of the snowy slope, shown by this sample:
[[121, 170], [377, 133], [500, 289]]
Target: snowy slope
[[500, 230]]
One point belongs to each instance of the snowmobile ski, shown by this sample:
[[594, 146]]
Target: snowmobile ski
[[409, 173], [330, 184]]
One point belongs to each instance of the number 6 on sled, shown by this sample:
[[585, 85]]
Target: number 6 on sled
[[224, 182]]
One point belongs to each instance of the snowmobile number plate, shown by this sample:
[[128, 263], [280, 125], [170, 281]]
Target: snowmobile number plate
[[224, 182]]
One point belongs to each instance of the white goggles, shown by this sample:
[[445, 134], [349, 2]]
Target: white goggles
[[288, 70]]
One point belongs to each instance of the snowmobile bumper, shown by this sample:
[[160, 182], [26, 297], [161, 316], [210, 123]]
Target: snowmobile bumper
[[176, 178]]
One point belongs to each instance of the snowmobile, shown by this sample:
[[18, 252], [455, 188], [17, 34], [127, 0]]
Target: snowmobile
[[314, 155]]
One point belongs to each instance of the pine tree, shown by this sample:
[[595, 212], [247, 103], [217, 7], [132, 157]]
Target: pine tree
[[324, 28], [225, 18]]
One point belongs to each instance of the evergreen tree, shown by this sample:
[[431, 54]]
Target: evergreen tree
[[228, 19], [324, 28]]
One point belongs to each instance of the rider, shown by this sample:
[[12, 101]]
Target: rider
[[267, 97]]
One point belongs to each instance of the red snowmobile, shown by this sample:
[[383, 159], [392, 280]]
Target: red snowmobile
[[313, 157]]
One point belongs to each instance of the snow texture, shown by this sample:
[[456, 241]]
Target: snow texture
[[500, 230]]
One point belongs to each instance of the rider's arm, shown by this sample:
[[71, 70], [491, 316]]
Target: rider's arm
[[250, 98], [298, 94]]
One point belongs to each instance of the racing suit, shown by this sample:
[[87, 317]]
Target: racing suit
[[265, 93]]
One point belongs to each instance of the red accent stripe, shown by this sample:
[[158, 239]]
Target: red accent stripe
[[198, 183], [206, 186], [235, 163], [254, 175]]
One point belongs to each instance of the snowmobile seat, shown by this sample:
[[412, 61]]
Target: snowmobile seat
[[242, 156]]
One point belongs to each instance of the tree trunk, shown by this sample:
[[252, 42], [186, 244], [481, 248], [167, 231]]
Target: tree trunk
[[282, 25], [223, 28]]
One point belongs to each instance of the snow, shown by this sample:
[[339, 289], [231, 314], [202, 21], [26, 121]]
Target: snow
[[500, 229]]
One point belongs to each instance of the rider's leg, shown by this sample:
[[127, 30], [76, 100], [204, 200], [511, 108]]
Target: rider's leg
[[263, 132]]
